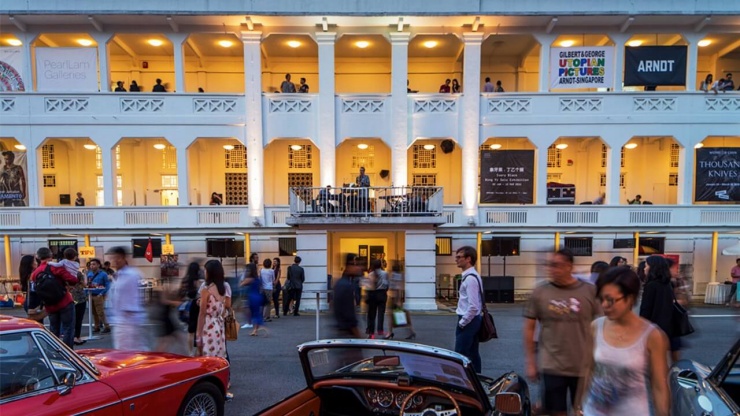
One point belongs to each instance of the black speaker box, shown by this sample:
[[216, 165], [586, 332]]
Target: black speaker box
[[498, 289], [384, 173], [486, 248], [447, 146], [505, 246]]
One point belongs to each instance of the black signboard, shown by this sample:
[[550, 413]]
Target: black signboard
[[655, 65], [507, 176], [717, 174]]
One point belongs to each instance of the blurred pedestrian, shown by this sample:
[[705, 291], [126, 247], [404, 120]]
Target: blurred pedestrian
[[189, 289], [211, 333], [682, 295], [126, 313], [657, 298], [344, 300], [445, 88], [267, 279], [158, 87], [735, 276], [499, 87], [598, 268], [294, 284], [276, 286], [99, 284], [80, 299], [134, 87], [469, 306], [488, 87], [250, 272], [617, 261], [376, 298], [287, 86], [61, 313], [396, 295], [255, 298], [31, 302]]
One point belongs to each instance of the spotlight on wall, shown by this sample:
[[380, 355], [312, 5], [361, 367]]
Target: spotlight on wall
[[362, 44], [155, 42], [567, 43], [428, 147], [630, 145], [495, 146], [296, 147], [160, 146], [362, 146], [229, 146], [84, 42], [90, 146], [225, 43], [294, 43], [20, 147], [14, 42]]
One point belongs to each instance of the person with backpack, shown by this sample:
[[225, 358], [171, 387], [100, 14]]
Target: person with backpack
[[49, 284]]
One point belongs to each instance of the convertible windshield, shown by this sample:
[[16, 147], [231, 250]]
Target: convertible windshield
[[372, 362]]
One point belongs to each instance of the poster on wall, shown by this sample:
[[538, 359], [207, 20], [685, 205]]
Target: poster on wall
[[655, 65], [13, 182], [11, 68], [507, 177], [584, 67], [67, 69], [717, 174]]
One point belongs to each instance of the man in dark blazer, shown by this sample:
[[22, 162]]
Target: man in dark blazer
[[296, 277]]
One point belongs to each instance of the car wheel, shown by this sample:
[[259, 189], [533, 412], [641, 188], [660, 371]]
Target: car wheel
[[204, 399]]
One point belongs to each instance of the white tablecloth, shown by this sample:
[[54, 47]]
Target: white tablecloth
[[717, 293]]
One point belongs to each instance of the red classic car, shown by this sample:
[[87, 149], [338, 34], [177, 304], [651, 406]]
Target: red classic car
[[39, 375]]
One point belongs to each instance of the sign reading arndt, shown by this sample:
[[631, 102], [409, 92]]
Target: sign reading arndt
[[67, 69], [11, 68], [507, 176], [586, 67], [717, 174], [655, 65]]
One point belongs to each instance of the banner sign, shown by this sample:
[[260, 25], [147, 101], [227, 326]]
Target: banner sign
[[67, 69], [717, 174], [585, 67], [11, 68], [507, 176], [655, 65], [13, 181]]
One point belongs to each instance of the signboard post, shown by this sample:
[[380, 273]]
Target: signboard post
[[168, 249], [717, 174], [507, 176]]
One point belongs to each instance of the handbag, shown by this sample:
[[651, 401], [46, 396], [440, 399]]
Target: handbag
[[680, 323], [487, 329], [399, 318], [231, 326]]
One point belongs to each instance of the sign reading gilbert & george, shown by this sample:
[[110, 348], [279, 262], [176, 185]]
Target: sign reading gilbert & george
[[655, 65], [717, 174], [507, 176]]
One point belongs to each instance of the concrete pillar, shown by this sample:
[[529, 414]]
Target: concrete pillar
[[108, 151], [177, 39], [102, 40], [470, 122], [613, 170], [399, 139], [686, 161], [692, 60], [619, 42], [26, 71], [420, 270], [545, 42], [312, 246], [183, 182], [327, 139], [540, 157], [255, 144]]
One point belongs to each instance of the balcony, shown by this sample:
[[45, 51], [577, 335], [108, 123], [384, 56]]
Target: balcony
[[374, 205]]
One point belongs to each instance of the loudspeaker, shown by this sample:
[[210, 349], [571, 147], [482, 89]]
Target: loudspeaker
[[64, 199], [447, 146], [384, 173], [498, 289]]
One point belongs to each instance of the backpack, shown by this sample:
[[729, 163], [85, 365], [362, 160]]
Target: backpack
[[48, 288]]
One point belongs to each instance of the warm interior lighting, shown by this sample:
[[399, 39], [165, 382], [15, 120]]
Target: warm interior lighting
[[567, 43], [296, 147], [561, 146], [630, 145], [225, 43], [704, 42], [155, 42], [362, 146], [20, 147], [496, 146], [84, 42], [294, 43], [90, 146], [634, 43], [362, 44], [14, 42], [428, 147], [430, 44], [160, 146], [229, 146], [699, 146]]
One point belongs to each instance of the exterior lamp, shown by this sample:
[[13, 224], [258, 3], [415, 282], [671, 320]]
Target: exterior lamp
[[160, 146], [296, 147], [699, 146], [362, 146], [561, 146], [704, 42], [428, 147], [84, 42], [294, 43], [430, 44], [225, 43], [362, 44], [90, 146], [14, 42], [630, 145], [155, 42], [229, 147], [567, 43], [496, 146], [20, 147], [634, 43]]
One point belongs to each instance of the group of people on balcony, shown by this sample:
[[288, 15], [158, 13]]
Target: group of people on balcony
[[724, 84], [288, 87], [134, 87]]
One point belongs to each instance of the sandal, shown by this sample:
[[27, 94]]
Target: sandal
[[253, 334]]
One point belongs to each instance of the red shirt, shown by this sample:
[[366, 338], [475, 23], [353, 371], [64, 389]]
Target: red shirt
[[444, 88], [64, 278]]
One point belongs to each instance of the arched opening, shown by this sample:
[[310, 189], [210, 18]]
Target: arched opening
[[434, 59], [148, 171], [297, 55], [143, 58], [362, 64], [512, 60], [436, 161], [214, 63], [218, 165], [290, 162]]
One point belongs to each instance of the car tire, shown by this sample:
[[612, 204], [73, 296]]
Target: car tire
[[203, 399]]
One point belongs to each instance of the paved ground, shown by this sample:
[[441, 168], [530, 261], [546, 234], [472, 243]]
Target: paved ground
[[266, 369]]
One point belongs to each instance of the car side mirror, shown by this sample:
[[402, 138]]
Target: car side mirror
[[68, 382], [508, 403]]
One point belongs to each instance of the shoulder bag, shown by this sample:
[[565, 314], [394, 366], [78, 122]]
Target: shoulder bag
[[231, 326], [487, 329], [680, 323]]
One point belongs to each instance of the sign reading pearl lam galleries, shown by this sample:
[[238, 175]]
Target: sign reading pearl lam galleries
[[717, 174], [67, 69], [586, 67], [11, 68], [507, 176], [655, 65]]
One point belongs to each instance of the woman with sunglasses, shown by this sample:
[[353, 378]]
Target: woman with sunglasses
[[630, 361]]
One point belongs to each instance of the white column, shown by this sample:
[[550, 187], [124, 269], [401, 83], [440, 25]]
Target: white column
[[177, 39], [545, 42], [420, 270], [613, 170], [255, 146], [108, 151], [327, 139], [102, 41], [692, 61], [312, 246], [470, 122], [619, 42], [399, 108], [183, 182], [686, 161], [540, 155], [27, 72]]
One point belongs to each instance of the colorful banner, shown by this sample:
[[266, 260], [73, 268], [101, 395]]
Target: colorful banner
[[11, 68], [717, 174], [13, 180], [655, 65], [507, 176], [67, 69], [584, 67]]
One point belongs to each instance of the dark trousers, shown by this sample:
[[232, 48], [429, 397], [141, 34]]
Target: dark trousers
[[293, 295], [276, 300], [62, 323], [376, 300], [466, 341], [79, 316], [731, 296]]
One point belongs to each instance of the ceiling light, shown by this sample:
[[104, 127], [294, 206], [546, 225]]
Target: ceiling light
[[561, 146], [296, 147], [155, 42], [634, 43], [90, 146], [428, 147], [14, 42], [567, 43], [362, 44], [362, 146], [430, 44], [84, 42], [496, 146], [294, 43], [20, 147], [229, 146], [699, 146], [630, 145], [704, 42], [160, 146], [225, 43]]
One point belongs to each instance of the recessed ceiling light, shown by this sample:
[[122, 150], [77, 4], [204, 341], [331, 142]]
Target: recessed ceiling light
[[84, 42], [155, 42], [430, 44], [496, 146], [567, 43], [229, 147], [225, 43], [630, 145], [362, 44], [296, 147], [90, 146], [704, 42], [428, 147], [362, 146], [20, 147], [699, 146], [561, 146], [294, 43], [634, 43], [14, 42], [160, 146]]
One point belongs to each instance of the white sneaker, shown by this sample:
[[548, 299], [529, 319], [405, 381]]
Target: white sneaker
[[245, 326]]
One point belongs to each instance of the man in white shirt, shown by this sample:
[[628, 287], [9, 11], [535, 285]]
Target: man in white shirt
[[126, 313], [469, 306]]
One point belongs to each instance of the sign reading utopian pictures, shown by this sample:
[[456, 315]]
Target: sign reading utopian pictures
[[507, 176], [11, 68], [717, 174], [13, 180], [67, 69], [585, 67], [655, 65]]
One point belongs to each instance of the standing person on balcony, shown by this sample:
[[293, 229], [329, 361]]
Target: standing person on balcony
[[303, 88], [636, 201], [134, 87], [728, 84], [158, 87], [456, 89], [80, 201], [488, 87], [499, 88], [709, 84], [363, 181], [120, 87], [287, 87], [445, 88]]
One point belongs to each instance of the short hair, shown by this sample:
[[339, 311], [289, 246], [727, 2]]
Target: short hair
[[638, 196], [303, 79], [159, 81], [599, 267], [267, 264], [95, 259], [623, 277], [350, 258], [10, 155], [488, 79], [70, 253], [468, 251], [396, 267], [565, 252], [498, 82], [297, 259], [376, 264], [43, 253], [106, 263], [729, 74], [118, 251], [287, 75]]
